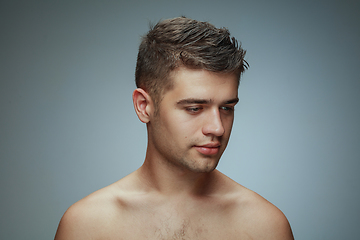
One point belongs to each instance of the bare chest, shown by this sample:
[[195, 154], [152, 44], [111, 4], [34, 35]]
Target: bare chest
[[175, 225], [186, 229]]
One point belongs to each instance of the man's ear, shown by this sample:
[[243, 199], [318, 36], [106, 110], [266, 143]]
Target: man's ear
[[143, 104]]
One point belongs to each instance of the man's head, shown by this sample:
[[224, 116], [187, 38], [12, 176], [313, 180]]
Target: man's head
[[183, 42], [187, 76]]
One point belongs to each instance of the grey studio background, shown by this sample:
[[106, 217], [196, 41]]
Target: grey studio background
[[68, 128]]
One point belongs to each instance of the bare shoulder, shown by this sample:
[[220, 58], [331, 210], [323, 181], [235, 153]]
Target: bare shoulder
[[262, 220], [92, 215]]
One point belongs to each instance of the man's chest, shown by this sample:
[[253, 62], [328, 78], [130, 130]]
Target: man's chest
[[169, 227]]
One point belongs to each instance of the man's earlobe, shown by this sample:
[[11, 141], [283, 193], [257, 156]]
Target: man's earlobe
[[142, 104]]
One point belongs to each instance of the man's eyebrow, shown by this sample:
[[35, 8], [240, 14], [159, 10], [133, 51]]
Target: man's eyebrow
[[235, 100], [193, 101], [203, 101]]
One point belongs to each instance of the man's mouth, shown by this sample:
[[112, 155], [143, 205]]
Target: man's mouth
[[208, 149]]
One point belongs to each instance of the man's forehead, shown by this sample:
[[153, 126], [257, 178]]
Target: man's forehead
[[202, 85]]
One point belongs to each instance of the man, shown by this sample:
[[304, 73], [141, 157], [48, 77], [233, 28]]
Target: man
[[187, 76]]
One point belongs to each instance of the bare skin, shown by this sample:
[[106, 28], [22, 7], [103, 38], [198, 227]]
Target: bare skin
[[177, 193]]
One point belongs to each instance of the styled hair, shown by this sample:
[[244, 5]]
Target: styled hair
[[184, 42]]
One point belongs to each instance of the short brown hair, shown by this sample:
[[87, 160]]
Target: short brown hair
[[185, 42]]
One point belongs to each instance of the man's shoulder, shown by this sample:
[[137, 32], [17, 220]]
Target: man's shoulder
[[98, 201], [82, 216], [99, 210], [261, 218]]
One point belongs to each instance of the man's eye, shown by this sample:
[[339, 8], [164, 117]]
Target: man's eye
[[193, 109], [228, 109]]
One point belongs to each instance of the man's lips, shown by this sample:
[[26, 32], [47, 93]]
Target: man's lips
[[208, 149]]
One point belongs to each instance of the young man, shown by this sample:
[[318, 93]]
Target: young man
[[187, 76]]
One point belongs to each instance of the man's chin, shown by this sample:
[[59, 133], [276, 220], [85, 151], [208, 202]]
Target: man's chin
[[206, 168]]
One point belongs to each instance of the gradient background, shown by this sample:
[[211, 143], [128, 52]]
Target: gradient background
[[68, 127]]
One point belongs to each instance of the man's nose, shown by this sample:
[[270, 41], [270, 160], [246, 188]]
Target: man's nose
[[213, 124]]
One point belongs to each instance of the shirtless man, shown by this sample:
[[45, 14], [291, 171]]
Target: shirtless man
[[187, 76]]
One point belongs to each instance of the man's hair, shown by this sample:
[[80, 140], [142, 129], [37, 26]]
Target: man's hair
[[183, 42]]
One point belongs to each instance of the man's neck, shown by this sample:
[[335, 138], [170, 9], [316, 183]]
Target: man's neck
[[174, 180]]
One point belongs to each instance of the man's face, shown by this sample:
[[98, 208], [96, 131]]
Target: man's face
[[193, 125]]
